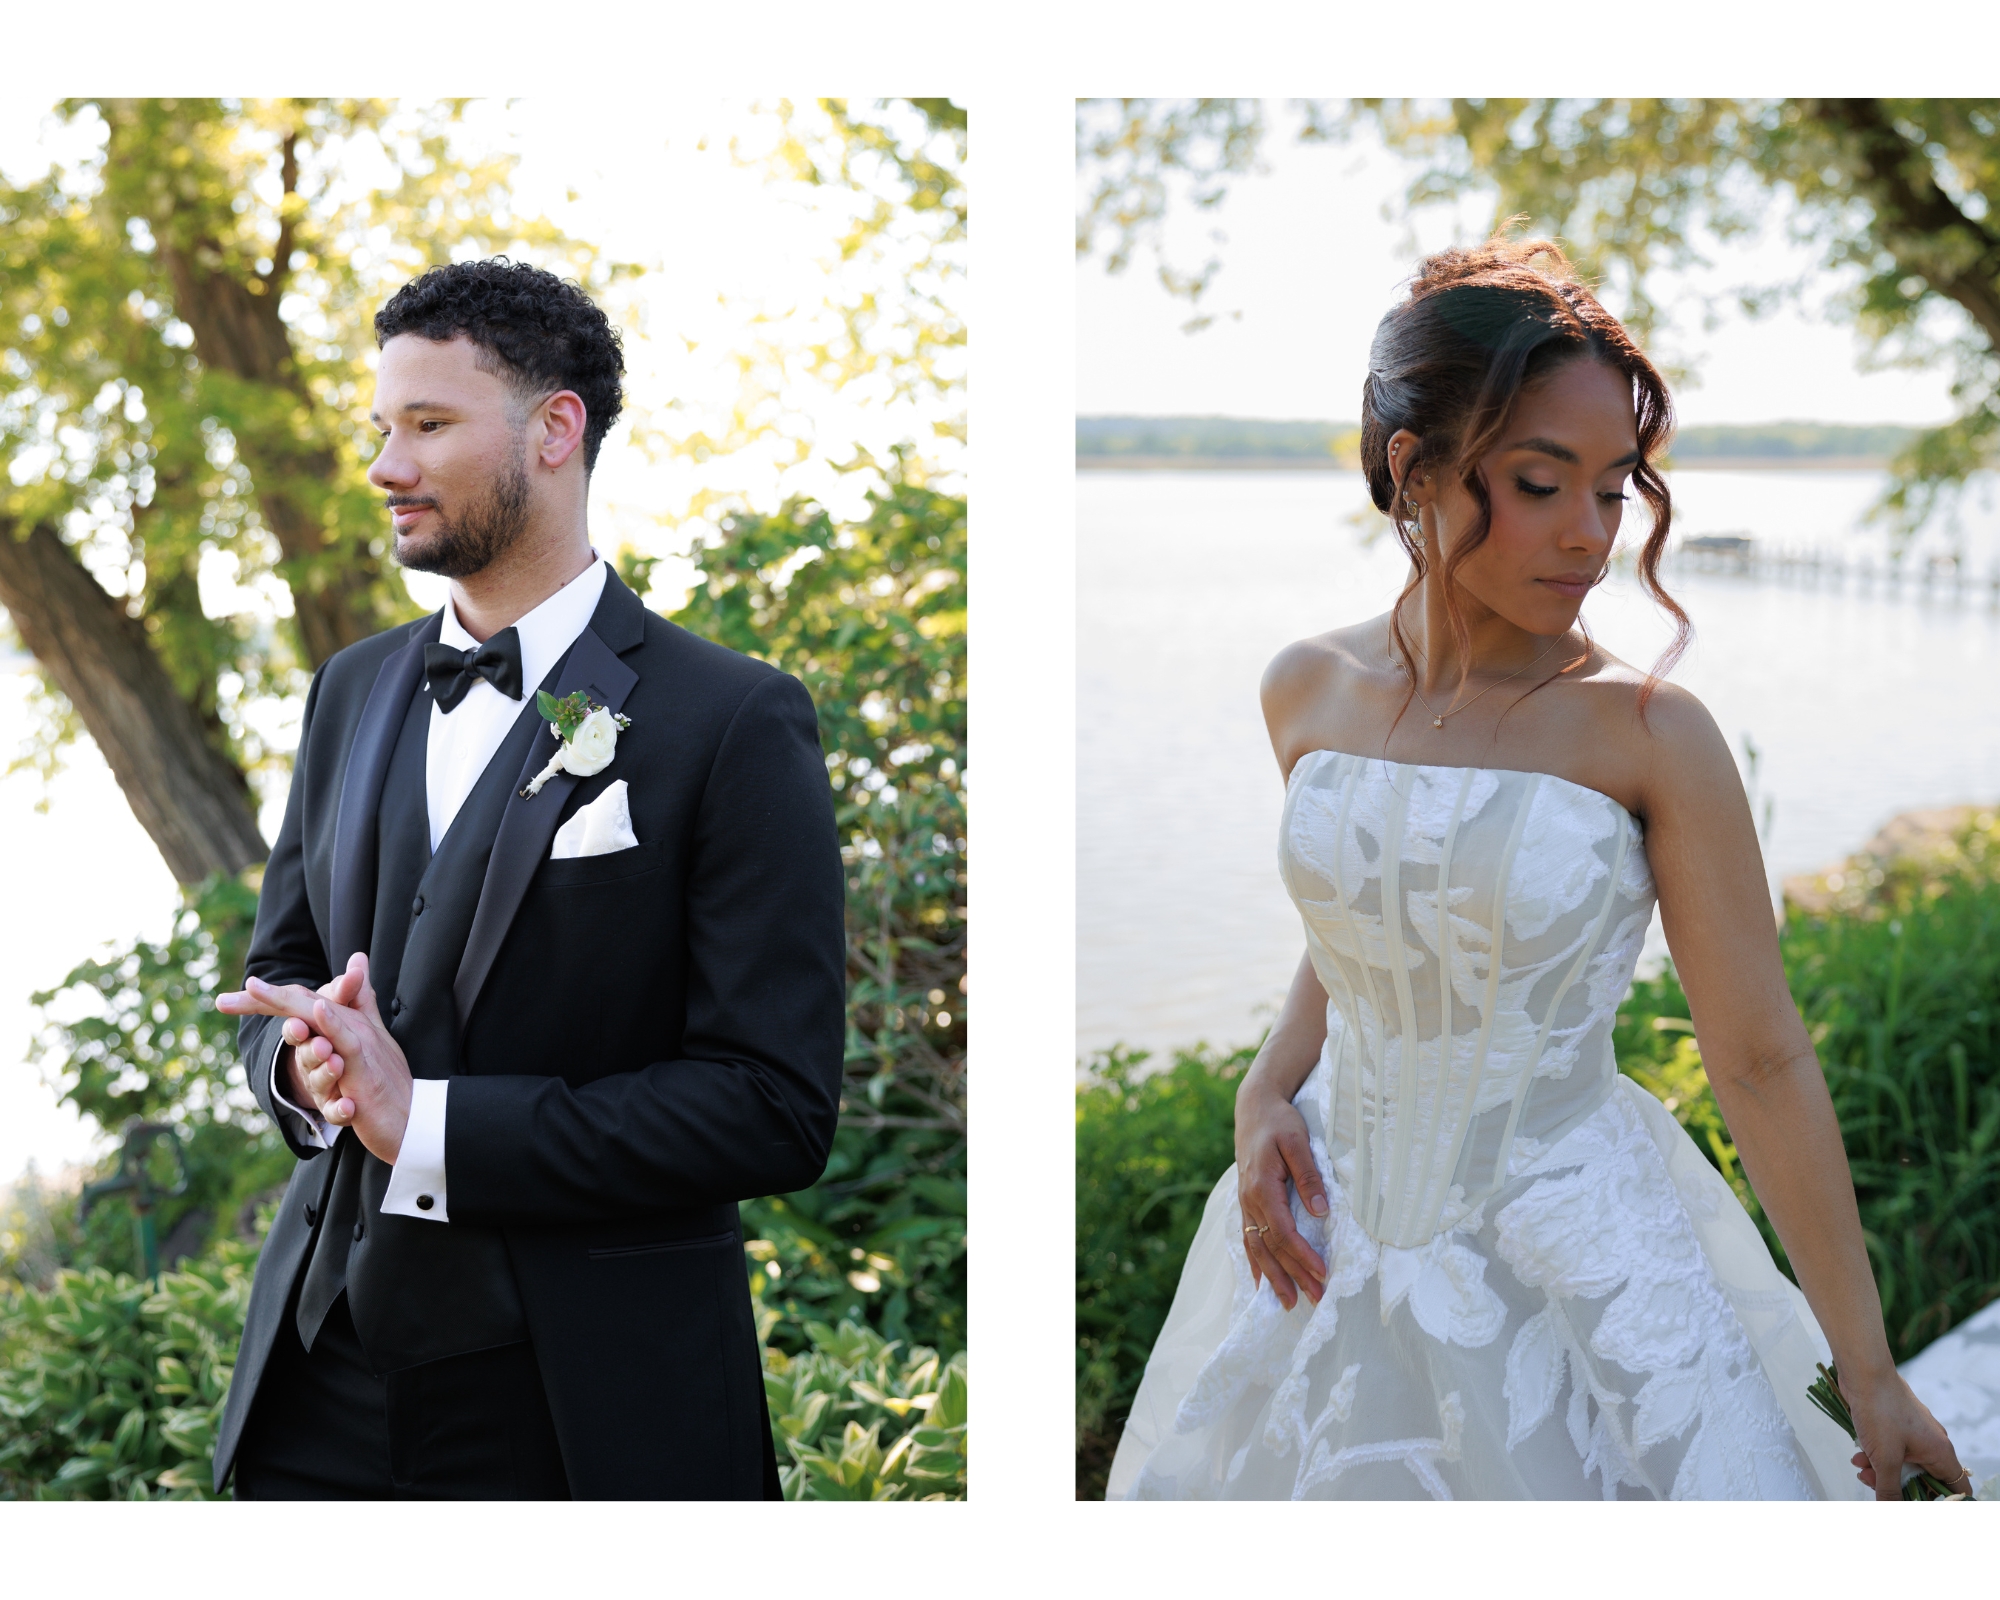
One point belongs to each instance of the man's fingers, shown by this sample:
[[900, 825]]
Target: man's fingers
[[338, 1024], [261, 999], [364, 993]]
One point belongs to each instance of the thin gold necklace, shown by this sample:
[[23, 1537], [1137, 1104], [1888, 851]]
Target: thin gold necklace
[[1437, 717]]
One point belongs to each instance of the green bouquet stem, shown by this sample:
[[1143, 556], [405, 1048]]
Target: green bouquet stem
[[1825, 1394]]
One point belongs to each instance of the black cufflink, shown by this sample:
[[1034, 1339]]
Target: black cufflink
[[425, 1202]]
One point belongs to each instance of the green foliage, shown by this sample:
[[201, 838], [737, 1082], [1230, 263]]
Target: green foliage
[[861, 1421], [1223, 437], [111, 1388], [870, 616], [1149, 1148], [140, 1040], [185, 329], [1802, 441]]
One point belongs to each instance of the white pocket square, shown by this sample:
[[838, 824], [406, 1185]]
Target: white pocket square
[[598, 829]]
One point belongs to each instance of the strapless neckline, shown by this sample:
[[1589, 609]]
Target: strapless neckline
[[1448, 766]]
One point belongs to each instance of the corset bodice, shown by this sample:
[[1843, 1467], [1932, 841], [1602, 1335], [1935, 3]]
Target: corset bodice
[[1475, 930]]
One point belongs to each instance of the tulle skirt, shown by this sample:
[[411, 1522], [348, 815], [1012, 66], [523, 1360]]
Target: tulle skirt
[[1608, 1324]]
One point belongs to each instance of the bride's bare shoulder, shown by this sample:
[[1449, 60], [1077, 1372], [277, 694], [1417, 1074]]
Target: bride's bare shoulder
[[1663, 730], [1306, 672]]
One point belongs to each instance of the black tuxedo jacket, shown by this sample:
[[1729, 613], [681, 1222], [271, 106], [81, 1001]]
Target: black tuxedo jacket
[[635, 1041]]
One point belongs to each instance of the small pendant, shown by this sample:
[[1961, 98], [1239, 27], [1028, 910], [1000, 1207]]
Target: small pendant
[[1437, 722]]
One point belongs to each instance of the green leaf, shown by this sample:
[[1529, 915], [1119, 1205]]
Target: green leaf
[[548, 706]]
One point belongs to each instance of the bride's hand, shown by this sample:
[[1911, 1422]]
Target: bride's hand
[[1892, 1426], [1271, 1148]]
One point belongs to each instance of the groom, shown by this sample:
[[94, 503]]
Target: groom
[[530, 1045]]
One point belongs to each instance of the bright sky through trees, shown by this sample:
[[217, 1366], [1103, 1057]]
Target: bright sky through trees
[[1311, 263]]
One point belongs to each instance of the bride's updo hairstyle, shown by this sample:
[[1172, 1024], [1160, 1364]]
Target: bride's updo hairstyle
[[1480, 325]]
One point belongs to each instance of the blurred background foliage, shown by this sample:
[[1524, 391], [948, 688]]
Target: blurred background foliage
[[1899, 199], [1898, 979], [143, 439]]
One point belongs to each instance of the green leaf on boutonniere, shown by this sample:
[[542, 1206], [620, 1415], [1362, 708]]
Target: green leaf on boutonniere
[[567, 713]]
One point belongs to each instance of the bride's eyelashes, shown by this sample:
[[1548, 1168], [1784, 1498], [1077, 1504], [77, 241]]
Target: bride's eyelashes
[[1541, 491]]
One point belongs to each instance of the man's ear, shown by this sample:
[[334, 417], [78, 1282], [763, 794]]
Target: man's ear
[[562, 418]]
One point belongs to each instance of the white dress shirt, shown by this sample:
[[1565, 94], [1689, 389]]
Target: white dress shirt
[[459, 749]]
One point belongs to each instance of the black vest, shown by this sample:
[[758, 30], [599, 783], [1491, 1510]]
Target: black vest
[[418, 1289]]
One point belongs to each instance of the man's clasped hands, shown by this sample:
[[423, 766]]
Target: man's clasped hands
[[341, 1058]]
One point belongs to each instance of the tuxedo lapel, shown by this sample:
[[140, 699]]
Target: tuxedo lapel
[[528, 826], [351, 917]]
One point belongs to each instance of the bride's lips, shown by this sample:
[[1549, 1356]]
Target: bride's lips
[[1570, 585]]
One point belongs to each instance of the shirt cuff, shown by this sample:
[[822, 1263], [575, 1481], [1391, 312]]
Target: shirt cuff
[[305, 1127], [416, 1182]]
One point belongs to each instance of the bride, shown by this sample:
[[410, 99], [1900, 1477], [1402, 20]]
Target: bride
[[1459, 1255]]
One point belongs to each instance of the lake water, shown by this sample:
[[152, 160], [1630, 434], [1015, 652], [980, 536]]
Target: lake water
[[1861, 702]]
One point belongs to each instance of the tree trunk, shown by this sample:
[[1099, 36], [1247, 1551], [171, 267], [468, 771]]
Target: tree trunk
[[186, 793]]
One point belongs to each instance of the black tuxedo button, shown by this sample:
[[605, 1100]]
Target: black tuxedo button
[[425, 1202], [417, 910], [312, 1216], [396, 1006], [357, 1233]]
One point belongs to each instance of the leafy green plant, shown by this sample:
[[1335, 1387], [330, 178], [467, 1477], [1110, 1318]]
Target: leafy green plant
[[111, 1386], [135, 1036], [862, 1419], [1149, 1147], [870, 615]]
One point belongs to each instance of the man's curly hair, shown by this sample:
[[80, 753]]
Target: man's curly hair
[[533, 329]]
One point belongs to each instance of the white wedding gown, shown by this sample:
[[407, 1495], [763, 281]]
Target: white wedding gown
[[1537, 1287]]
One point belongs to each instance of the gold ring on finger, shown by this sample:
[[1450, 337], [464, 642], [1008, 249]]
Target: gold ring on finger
[[1251, 1227]]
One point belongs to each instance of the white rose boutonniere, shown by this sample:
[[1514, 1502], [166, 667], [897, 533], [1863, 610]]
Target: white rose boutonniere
[[589, 735]]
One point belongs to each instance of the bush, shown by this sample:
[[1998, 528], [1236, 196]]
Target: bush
[[111, 1387], [1149, 1147], [830, 1406], [870, 615]]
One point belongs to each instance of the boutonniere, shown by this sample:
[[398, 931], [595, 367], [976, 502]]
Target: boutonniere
[[589, 735]]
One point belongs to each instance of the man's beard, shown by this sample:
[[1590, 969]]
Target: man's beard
[[483, 533]]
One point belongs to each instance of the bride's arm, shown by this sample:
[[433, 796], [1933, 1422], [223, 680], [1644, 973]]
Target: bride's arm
[[1716, 911], [1272, 1145]]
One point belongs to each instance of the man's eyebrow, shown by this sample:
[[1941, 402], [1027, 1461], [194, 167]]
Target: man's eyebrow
[[1562, 452], [413, 407]]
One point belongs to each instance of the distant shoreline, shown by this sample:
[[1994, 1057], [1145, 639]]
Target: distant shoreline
[[1178, 463]]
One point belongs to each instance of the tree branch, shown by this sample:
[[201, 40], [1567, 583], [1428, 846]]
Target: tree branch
[[1897, 180], [187, 794]]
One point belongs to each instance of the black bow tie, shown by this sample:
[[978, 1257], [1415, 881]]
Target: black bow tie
[[450, 671]]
